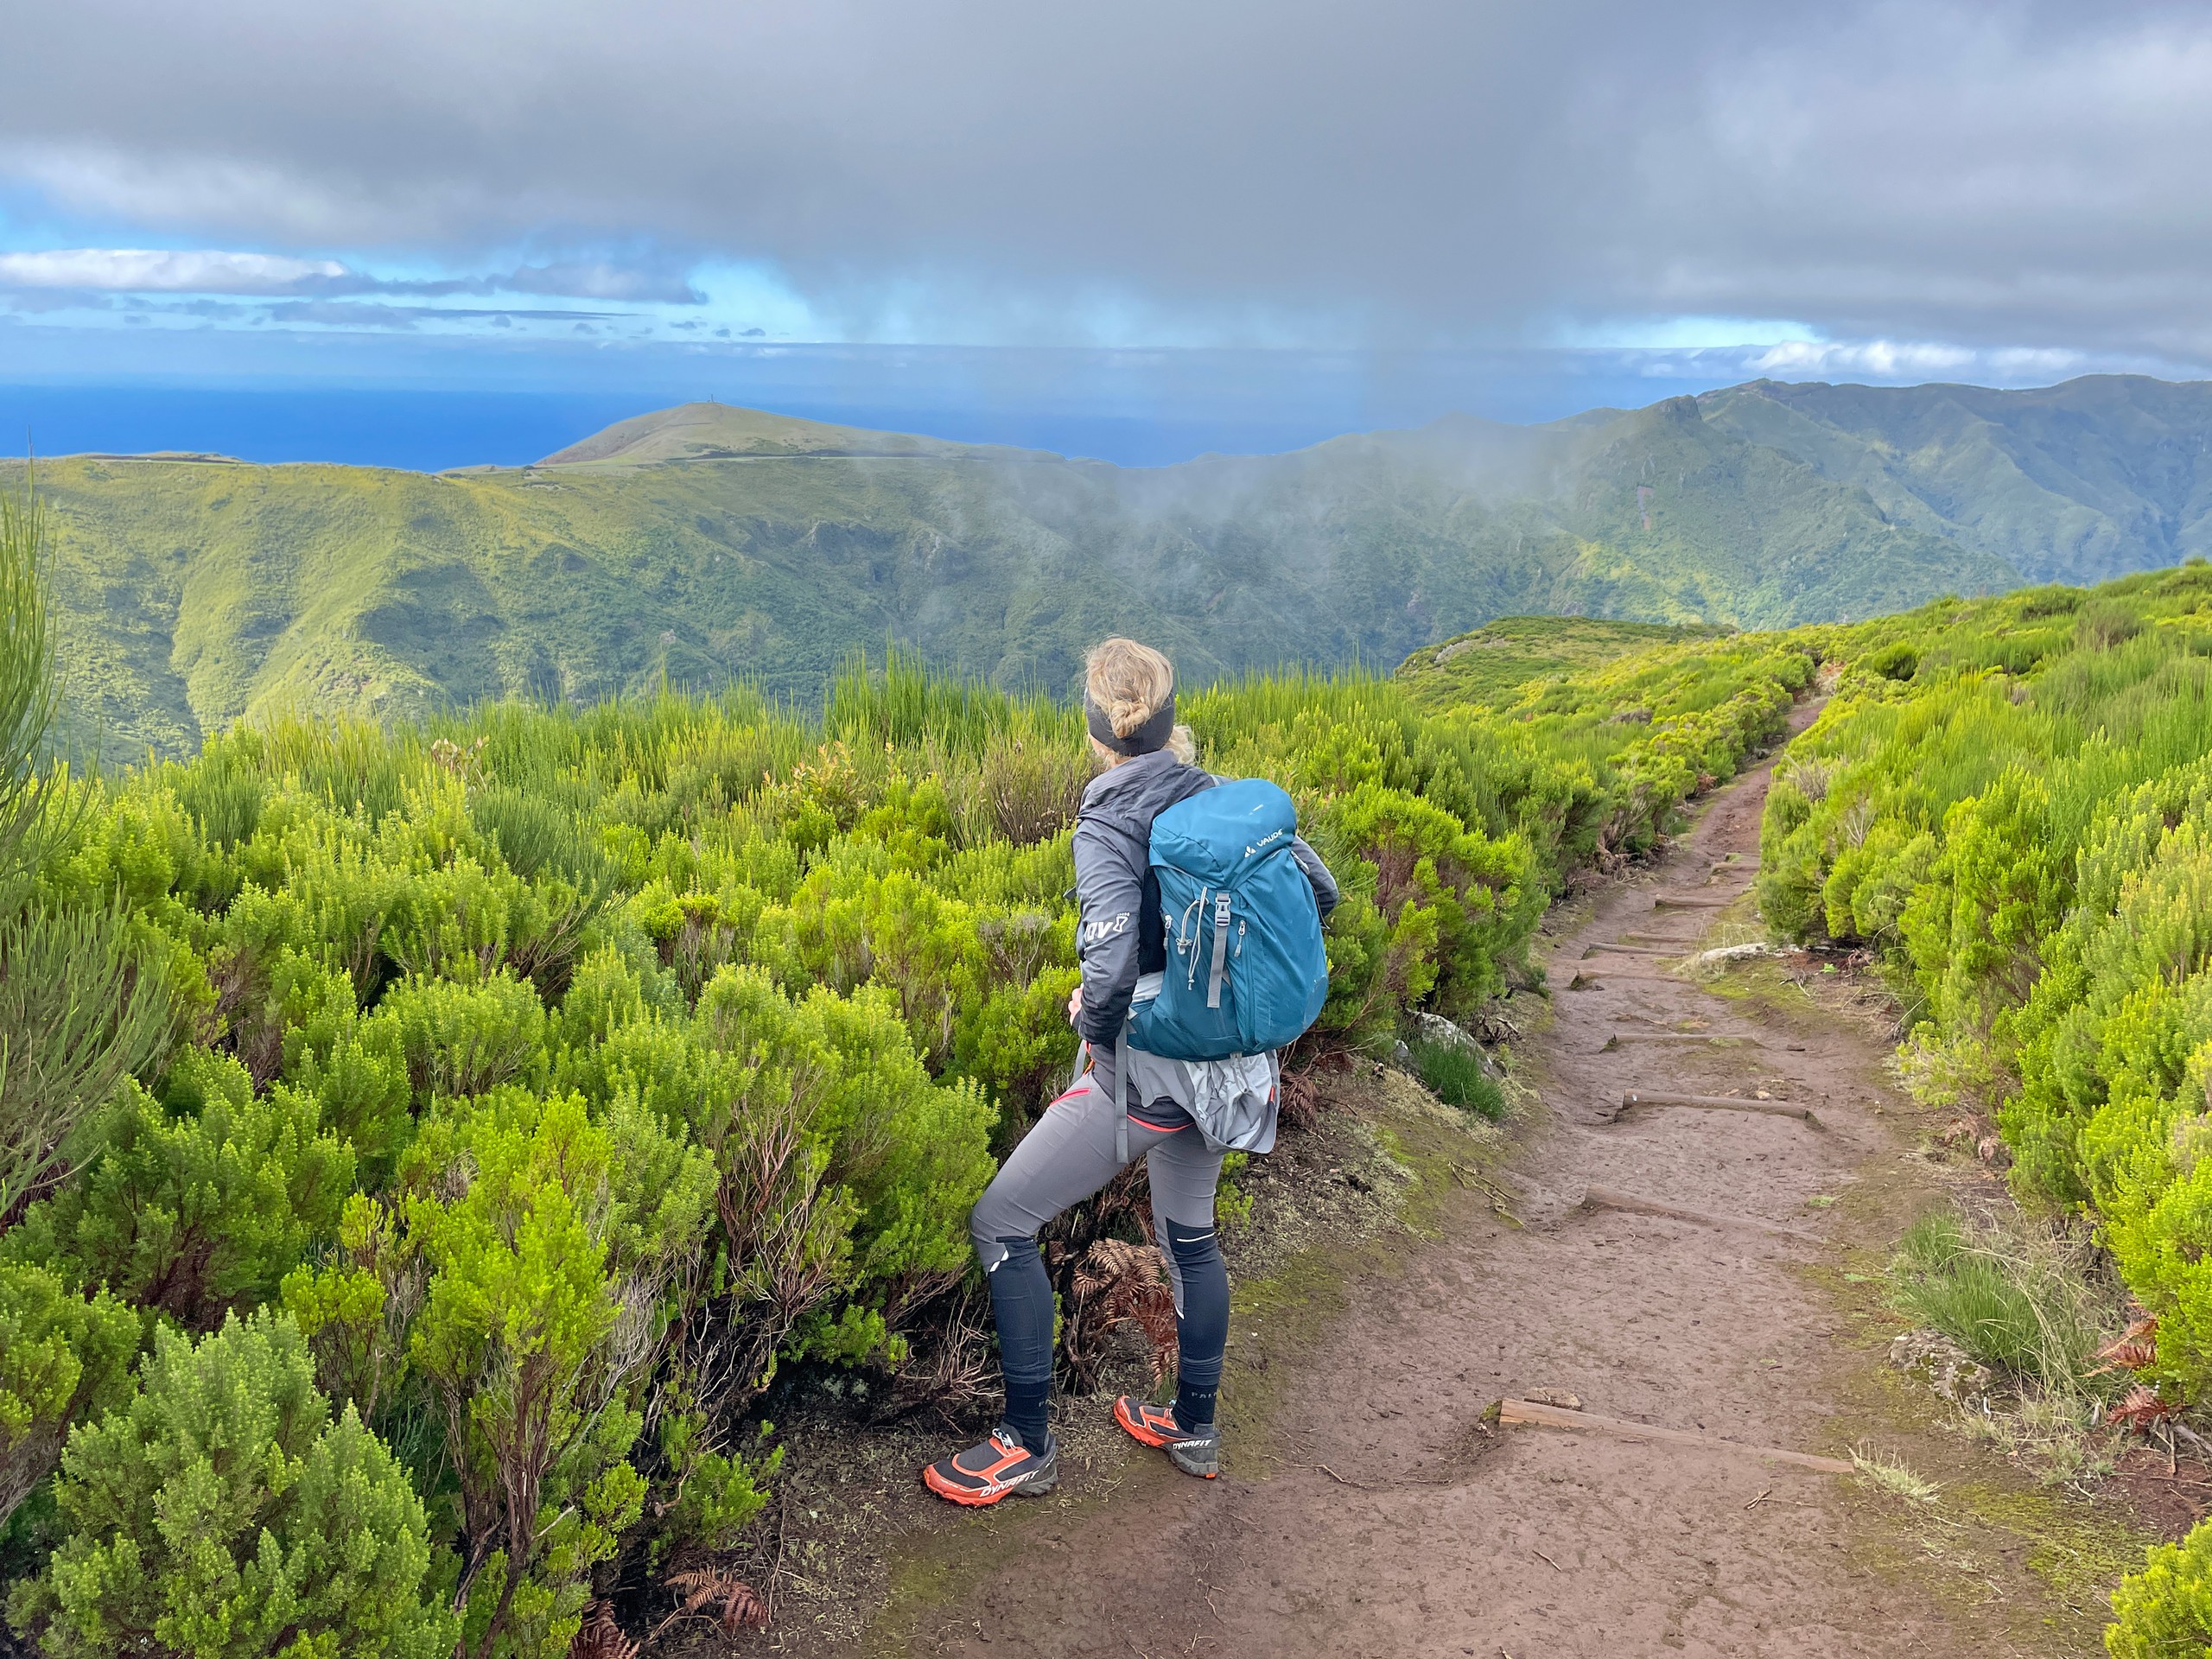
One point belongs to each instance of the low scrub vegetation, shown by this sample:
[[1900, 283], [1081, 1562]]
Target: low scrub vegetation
[[480, 1115], [2010, 801]]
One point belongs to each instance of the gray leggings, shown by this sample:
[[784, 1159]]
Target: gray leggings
[[1071, 1152], [1079, 1146]]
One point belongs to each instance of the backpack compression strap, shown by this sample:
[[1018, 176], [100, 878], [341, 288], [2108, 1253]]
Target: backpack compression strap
[[1220, 950]]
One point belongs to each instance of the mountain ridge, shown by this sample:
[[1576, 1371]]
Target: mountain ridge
[[709, 541]]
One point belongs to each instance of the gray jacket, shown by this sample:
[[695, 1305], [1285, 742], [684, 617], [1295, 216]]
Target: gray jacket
[[1120, 935]]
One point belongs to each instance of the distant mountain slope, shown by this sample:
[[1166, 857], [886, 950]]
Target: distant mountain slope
[[722, 431], [705, 541], [2077, 483]]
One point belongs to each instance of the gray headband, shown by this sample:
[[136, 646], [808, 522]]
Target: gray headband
[[1152, 734]]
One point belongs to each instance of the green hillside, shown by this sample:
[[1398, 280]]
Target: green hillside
[[1491, 666], [706, 543]]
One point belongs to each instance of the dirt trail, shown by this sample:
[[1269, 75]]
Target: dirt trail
[[1390, 1525]]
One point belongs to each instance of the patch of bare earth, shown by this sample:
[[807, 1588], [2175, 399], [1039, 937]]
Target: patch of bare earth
[[1368, 1508]]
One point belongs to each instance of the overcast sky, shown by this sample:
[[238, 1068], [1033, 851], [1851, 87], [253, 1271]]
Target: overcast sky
[[1996, 191]]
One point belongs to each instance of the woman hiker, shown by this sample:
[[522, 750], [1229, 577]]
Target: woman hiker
[[1077, 1145]]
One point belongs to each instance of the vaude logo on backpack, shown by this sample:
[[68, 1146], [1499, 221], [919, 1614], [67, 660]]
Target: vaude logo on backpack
[[1246, 970]]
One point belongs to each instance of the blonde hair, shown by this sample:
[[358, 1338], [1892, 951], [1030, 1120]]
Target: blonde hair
[[1128, 682]]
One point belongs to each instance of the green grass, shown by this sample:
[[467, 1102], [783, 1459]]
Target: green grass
[[2015, 1304], [1456, 1076]]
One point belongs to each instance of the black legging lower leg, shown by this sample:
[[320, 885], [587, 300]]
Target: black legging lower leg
[[1201, 1324], [1021, 1298]]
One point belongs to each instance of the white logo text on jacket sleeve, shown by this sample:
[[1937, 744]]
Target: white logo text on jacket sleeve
[[1104, 928]]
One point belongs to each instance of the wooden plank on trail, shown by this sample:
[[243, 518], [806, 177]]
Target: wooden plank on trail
[[1603, 1198], [1529, 1412], [1636, 1098], [1587, 980], [1590, 950], [1691, 904], [1620, 1037]]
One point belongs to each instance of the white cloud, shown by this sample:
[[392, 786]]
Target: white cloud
[[162, 270], [204, 271], [1885, 360]]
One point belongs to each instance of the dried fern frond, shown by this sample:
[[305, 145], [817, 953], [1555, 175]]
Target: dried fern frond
[[600, 1637], [1111, 1261], [2141, 1409], [1117, 1283], [710, 1587], [2132, 1349]]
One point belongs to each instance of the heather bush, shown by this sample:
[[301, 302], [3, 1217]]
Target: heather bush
[[221, 1512], [64, 1356], [2166, 1608], [548, 1241], [198, 1205]]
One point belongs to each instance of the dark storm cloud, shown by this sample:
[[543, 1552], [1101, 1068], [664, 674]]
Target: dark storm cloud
[[2020, 175]]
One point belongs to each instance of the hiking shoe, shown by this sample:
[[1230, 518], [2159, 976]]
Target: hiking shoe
[[1194, 1450], [1001, 1465]]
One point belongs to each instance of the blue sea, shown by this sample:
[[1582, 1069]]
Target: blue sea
[[1137, 409]]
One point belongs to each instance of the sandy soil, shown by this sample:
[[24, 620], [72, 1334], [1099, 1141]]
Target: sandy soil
[[1374, 1514]]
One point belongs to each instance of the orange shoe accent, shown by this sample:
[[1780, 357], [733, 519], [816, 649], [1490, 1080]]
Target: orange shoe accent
[[968, 1497], [1149, 1424], [994, 1470]]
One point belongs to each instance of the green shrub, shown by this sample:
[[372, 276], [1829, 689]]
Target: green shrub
[[462, 1039], [2103, 623], [2166, 1608], [546, 1265], [220, 1512], [200, 1210], [1457, 1075], [63, 1356], [1898, 662]]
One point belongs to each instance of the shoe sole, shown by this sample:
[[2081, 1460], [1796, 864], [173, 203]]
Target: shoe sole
[[1138, 1432], [1208, 1468], [969, 1497]]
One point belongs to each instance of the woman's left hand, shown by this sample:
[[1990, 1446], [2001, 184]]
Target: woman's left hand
[[1074, 1005]]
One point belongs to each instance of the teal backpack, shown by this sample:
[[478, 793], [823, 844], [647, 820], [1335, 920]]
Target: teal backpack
[[1246, 969]]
